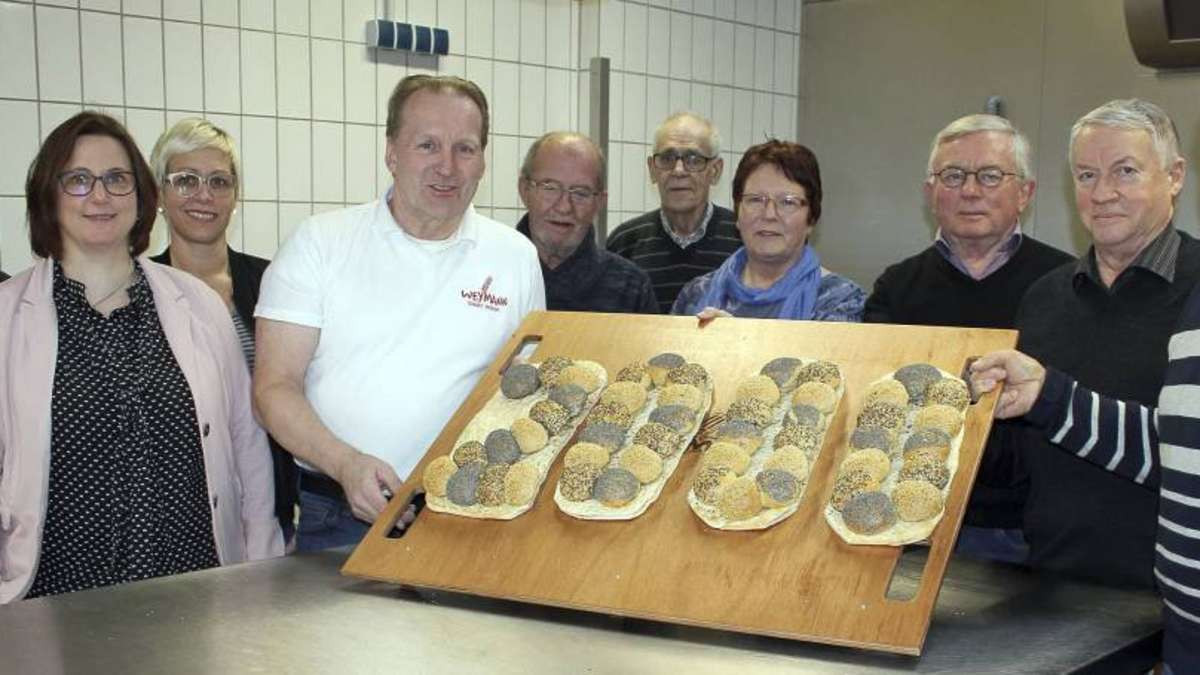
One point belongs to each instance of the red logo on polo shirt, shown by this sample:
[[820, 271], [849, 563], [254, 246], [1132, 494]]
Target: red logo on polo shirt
[[483, 298]]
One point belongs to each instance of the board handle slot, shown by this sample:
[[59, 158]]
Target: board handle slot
[[965, 376], [908, 572], [416, 501], [521, 353]]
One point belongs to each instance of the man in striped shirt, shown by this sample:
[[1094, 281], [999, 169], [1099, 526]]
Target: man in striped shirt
[[689, 235], [1154, 448]]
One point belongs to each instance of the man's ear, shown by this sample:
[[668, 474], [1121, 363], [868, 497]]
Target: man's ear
[[523, 189], [1176, 173], [717, 166], [1025, 192], [390, 158]]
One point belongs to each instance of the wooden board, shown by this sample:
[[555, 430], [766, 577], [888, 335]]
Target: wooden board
[[796, 580]]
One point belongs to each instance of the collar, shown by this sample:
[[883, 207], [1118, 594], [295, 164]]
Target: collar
[[686, 241], [164, 258], [1003, 254], [66, 289], [41, 284], [1159, 257], [385, 223]]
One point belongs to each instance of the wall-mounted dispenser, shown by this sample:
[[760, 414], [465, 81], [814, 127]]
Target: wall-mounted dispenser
[[387, 34]]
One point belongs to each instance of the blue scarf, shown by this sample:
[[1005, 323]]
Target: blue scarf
[[797, 289]]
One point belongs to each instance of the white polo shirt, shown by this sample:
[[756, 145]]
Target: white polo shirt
[[407, 326]]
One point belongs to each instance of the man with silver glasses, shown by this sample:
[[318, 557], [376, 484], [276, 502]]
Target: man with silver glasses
[[688, 235], [979, 182], [562, 186]]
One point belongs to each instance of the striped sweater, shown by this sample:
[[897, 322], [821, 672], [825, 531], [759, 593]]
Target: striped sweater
[[1157, 448], [670, 267]]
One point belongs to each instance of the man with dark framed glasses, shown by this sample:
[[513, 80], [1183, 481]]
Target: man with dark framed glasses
[[562, 186], [979, 181], [688, 236]]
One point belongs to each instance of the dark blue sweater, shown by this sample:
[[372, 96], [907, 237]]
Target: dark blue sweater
[[1159, 449]]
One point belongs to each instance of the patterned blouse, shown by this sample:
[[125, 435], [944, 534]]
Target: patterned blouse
[[128, 494]]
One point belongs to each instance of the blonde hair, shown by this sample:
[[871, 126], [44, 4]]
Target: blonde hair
[[188, 135]]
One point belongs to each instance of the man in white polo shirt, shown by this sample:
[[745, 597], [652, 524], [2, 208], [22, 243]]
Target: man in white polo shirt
[[376, 321]]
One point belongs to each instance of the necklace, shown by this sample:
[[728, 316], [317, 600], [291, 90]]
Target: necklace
[[120, 286]]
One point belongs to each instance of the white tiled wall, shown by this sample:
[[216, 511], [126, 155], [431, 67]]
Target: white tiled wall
[[734, 61], [307, 101]]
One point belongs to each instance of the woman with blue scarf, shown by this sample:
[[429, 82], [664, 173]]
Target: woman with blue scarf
[[775, 274]]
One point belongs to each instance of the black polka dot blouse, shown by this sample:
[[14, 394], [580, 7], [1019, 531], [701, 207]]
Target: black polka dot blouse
[[128, 498]]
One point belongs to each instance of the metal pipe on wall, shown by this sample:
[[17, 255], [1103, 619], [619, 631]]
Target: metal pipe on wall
[[598, 98]]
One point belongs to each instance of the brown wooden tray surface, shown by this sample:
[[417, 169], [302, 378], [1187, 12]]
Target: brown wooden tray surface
[[796, 580]]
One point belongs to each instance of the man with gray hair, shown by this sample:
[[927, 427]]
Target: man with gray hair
[[979, 180], [688, 235], [1105, 320], [562, 186]]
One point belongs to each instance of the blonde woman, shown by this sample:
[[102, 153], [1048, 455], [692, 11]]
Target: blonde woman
[[196, 167]]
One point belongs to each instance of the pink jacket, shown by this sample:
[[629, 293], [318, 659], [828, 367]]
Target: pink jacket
[[201, 334]]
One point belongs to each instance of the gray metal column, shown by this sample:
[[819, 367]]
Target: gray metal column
[[598, 115]]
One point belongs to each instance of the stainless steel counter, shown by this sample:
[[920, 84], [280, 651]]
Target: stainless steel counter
[[298, 615]]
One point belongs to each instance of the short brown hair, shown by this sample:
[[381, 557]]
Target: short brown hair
[[42, 190], [795, 161], [435, 84]]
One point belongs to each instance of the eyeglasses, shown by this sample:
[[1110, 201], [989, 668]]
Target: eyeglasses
[[988, 176], [551, 190], [692, 160], [785, 205], [187, 183], [79, 183]]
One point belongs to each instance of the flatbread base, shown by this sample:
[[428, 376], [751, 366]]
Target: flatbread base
[[591, 509], [902, 532], [499, 413], [711, 515]]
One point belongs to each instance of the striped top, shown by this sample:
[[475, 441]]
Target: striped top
[[245, 338], [1156, 448], [670, 266]]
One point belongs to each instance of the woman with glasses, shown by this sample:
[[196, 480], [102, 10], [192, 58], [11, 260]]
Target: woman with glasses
[[776, 274], [127, 445], [196, 167]]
